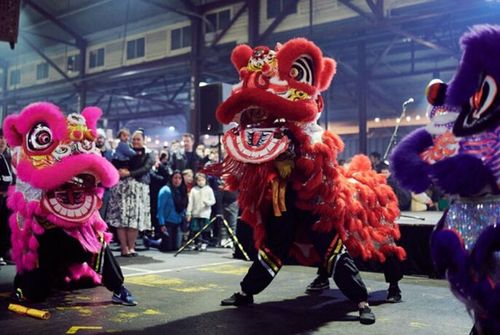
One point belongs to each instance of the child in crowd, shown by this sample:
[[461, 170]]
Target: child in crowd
[[201, 200], [123, 151], [187, 175]]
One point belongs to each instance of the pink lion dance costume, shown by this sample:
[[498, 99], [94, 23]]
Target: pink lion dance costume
[[291, 189], [58, 236], [459, 152]]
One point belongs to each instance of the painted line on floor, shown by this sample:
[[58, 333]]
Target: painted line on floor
[[133, 269], [181, 268]]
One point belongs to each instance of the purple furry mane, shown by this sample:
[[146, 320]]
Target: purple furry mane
[[469, 275], [481, 54], [405, 162], [454, 175]]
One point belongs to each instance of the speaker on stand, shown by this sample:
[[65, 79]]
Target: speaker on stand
[[9, 21], [211, 96]]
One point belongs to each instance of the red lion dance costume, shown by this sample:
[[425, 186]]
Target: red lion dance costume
[[284, 165], [58, 236]]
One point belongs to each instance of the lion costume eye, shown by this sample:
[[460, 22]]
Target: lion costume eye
[[39, 137], [485, 96], [301, 70]]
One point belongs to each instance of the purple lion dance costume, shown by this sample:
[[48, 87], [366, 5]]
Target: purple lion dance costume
[[459, 152]]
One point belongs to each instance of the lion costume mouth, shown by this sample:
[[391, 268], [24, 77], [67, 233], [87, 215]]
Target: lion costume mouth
[[258, 138], [75, 200]]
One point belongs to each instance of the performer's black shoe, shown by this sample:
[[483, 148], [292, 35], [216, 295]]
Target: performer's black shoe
[[123, 297], [393, 294], [366, 316], [18, 296], [238, 299], [478, 330], [318, 285]]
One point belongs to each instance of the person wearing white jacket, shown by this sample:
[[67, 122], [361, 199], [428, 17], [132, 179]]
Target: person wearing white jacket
[[201, 200]]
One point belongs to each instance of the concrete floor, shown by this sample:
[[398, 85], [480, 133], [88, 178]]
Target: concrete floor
[[181, 295]]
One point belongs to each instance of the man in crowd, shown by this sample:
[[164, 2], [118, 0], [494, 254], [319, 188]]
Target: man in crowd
[[190, 156], [6, 179], [186, 158], [377, 163], [102, 145]]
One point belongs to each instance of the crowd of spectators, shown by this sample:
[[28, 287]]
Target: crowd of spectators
[[163, 196]]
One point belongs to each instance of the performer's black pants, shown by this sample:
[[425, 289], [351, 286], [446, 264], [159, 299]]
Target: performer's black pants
[[280, 233], [392, 269], [58, 251]]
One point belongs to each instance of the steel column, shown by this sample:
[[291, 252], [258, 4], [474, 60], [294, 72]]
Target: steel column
[[362, 97], [82, 92], [253, 22], [193, 115], [4, 105]]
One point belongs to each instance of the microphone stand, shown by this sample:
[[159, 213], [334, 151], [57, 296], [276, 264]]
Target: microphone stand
[[395, 133]]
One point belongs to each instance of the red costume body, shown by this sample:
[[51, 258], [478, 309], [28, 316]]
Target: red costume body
[[291, 189]]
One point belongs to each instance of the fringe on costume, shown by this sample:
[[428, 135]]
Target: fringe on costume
[[357, 202], [25, 228]]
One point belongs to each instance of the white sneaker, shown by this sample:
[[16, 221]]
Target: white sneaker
[[227, 243], [2, 261], [203, 247]]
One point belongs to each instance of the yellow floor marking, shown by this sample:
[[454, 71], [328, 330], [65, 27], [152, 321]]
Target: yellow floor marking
[[85, 311], [191, 289], [226, 269], [151, 312], [75, 329], [83, 297], [416, 324], [174, 284], [154, 281], [124, 317]]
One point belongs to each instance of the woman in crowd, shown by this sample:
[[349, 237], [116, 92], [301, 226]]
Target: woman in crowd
[[172, 203], [129, 203], [160, 175]]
